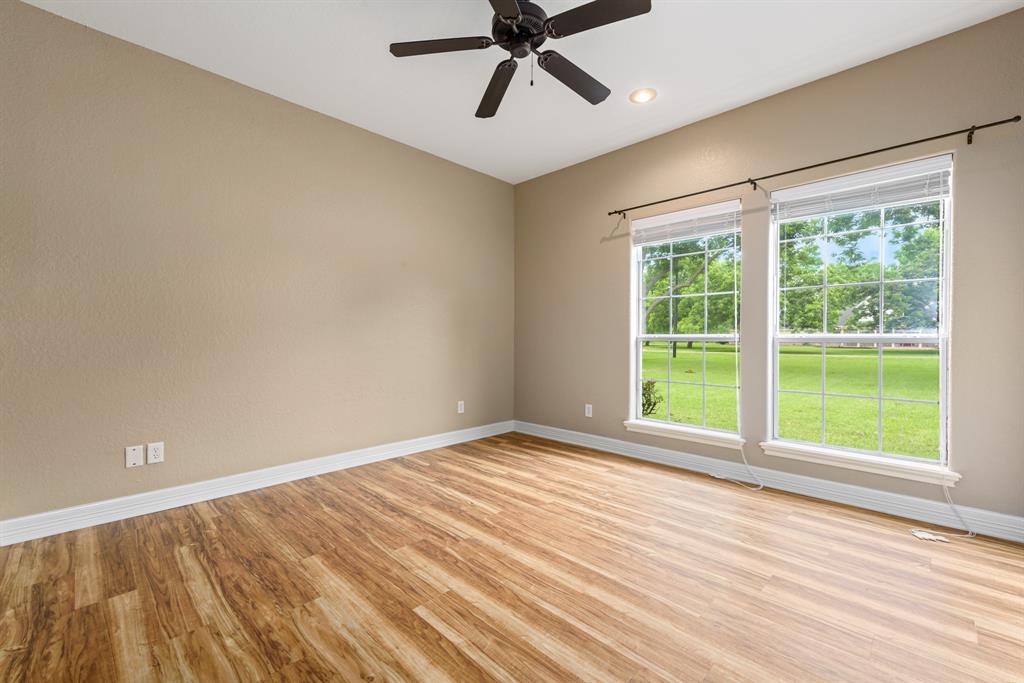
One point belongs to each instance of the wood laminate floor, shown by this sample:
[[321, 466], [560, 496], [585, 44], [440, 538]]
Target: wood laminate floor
[[511, 559]]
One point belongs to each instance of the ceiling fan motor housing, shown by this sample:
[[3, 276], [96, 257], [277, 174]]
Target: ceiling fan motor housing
[[517, 38]]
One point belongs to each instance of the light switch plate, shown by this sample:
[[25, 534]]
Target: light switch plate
[[588, 410], [133, 456], [155, 452], [460, 407]]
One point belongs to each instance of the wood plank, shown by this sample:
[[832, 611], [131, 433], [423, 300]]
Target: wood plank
[[511, 558]]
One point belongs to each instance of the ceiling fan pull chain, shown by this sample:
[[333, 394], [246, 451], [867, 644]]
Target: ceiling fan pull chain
[[532, 60]]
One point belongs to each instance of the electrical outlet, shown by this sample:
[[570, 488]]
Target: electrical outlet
[[133, 456], [460, 407], [588, 410], [155, 452]]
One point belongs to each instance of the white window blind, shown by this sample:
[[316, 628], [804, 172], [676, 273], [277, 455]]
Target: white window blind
[[689, 223], [909, 182]]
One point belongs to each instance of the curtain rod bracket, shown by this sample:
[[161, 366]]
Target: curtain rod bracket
[[970, 135], [753, 184]]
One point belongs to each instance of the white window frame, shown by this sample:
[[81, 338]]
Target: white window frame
[[636, 422], [877, 462]]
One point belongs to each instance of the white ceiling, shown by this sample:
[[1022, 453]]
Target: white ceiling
[[704, 57]]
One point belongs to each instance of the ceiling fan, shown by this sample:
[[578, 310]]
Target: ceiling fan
[[520, 27]]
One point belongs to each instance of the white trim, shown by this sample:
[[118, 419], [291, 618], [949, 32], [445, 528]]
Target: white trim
[[684, 433], [867, 338], [930, 473], [43, 524], [635, 359], [987, 522]]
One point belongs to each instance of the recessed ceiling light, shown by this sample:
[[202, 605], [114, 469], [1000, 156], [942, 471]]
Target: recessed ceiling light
[[643, 95]]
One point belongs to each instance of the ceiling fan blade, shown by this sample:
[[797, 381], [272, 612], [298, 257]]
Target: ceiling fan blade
[[429, 47], [578, 80], [496, 89], [505, 8], [594, 14]]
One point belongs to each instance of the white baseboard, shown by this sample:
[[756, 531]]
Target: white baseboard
[[43, 524], [987, 522], [20, 529]]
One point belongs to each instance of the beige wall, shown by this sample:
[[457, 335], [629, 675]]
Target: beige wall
[[188, 260], [572, 279], [185, 259]]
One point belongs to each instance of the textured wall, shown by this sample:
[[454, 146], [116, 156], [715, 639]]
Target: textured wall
[[188, 260], [572, 271]]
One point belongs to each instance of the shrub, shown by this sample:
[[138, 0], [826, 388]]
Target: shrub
[[650, 399]]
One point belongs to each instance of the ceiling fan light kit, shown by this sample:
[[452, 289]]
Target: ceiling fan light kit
[[520, 28]]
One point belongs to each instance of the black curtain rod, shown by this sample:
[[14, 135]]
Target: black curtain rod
[[753, 181]]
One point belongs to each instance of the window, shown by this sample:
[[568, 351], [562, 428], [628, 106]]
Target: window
[[861, 324], [687, 267]]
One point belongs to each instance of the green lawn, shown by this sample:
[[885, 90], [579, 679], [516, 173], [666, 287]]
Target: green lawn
[[851, 421]]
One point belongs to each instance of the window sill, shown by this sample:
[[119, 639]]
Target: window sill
[[695, 434], [863, 462]]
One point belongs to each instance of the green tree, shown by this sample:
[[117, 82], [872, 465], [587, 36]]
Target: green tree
[[909, 246], [913, 250]]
